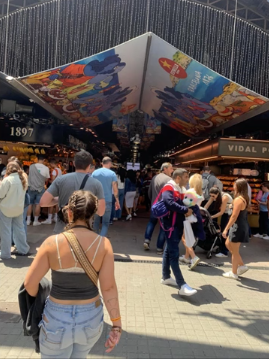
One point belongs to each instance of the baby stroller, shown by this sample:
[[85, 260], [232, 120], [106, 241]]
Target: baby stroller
[[212, 232]]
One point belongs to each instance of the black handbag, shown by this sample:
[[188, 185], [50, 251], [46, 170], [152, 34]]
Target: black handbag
[[60, 214]]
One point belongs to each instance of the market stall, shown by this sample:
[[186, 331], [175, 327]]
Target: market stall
[[230, 158]]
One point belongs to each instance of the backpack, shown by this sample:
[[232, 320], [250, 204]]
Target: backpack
[[205, 187], [219, 184], [159, 210]]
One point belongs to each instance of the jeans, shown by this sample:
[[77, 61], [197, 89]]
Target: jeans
[[149, 231], [12, 228], [69, 331], [35, 196], [24, 219], [117, 214], [105, 220], [263, 223], [171, 257]]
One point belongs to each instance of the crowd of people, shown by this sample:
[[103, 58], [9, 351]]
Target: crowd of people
[[83, 204]]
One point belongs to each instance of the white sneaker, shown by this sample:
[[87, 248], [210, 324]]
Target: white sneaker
[[47, 222], [221, 255], [129, 217], [28, 222], [37, 223], [169, 281], [242, 269], [194, 262], [258, 235], [184, 260], [135, 214], [230, 275], [54, 219], [266, 237], [186, 290], [146, 245], [115, 219]]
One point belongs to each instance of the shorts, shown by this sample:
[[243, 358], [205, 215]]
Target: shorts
[[35, 196]]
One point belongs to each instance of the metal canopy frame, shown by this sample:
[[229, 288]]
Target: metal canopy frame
[[252, 11], [15, 5]]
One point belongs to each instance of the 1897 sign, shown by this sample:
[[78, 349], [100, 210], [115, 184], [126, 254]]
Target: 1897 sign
[[44, 134], [21, 132]]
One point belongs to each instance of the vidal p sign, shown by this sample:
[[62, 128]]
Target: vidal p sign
[[244, 148]]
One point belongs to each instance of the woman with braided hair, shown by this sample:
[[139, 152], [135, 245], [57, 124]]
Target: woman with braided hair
[[12, 196], [72, 320]]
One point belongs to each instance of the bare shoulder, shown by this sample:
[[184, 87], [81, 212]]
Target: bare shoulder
[[50, 242], [107, 245]]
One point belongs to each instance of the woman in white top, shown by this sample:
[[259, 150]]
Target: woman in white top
[[223, 203], [12, 197]]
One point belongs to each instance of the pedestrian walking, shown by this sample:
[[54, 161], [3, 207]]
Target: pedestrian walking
[[108, 179], [12, 199], [263, 214], [53, 211], [130, 192], [172, 196], [236, 231], [195, 183], [156, 185], [72, 320], [38, 175], [116, 214], [63, 186], [221, 202]]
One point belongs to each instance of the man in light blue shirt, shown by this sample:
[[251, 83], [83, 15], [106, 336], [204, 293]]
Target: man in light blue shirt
[[108, 180]]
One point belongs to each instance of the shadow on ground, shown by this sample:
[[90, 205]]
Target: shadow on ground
[[153, 346]]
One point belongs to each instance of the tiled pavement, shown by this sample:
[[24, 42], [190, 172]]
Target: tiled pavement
[[226, 319]]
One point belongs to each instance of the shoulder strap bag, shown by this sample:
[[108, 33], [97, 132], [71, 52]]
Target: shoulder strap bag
[[81, 256]]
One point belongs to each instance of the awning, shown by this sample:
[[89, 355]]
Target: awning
[[148, 74]]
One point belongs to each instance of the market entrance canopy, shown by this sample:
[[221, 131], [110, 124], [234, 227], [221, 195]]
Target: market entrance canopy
[[147, 74]]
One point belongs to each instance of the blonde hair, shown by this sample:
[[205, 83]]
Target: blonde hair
[[12, 168], [196, 183]]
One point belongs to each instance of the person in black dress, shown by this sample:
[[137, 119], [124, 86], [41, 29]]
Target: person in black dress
[[237, 231]]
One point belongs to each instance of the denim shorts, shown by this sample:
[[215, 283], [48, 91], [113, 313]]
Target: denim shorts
[[70, 331], [35, 196]]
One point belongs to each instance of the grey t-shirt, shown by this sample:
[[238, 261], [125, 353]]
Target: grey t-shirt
[[157, 183], [64, 186]]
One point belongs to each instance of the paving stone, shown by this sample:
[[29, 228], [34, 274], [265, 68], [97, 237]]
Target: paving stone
[[227, 320]]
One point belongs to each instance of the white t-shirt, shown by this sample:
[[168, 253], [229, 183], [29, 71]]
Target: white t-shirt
[[43, 170], [120, 184], [56, 173]]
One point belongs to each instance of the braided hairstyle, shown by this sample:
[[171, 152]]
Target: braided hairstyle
[[14, 167], [83, 205]]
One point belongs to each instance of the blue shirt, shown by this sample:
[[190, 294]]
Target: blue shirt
[[106, 178], [264, 199]]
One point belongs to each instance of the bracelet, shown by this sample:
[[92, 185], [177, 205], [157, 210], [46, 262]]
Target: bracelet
[[116, 319], [117, 329]]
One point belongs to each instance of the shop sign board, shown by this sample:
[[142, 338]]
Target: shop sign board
[[245, 149], [19, 132]]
